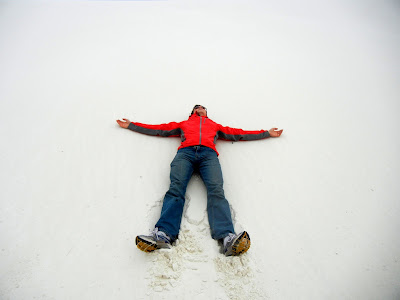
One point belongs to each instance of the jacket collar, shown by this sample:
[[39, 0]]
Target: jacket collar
[[196, 116]]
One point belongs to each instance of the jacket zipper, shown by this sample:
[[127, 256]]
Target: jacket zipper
[[200, 132], [200, 128]]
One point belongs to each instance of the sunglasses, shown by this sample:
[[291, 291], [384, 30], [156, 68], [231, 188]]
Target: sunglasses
[[198, 106]]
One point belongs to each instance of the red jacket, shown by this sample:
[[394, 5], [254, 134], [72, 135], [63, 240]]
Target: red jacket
[[199, 131]]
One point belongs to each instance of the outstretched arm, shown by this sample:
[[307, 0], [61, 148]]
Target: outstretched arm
[[237, 134], [274, 132], [165, 130]]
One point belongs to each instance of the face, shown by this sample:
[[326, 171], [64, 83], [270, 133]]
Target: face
[[200, 110]]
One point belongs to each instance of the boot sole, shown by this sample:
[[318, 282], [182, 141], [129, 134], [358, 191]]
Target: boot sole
[[242, 244], [144, 245]]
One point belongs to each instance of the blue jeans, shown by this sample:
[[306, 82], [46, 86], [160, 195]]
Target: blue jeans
[[205, 161]]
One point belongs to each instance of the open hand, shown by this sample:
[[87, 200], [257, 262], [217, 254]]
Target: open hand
[[124, 124], [274, 132]]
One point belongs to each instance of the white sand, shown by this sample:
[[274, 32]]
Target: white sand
[[321, 203]]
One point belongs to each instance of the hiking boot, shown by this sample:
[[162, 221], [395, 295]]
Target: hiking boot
[[236, 244], [156, 240]]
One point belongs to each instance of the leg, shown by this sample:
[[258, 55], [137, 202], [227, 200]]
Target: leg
[[219, 213], [174, 200]]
